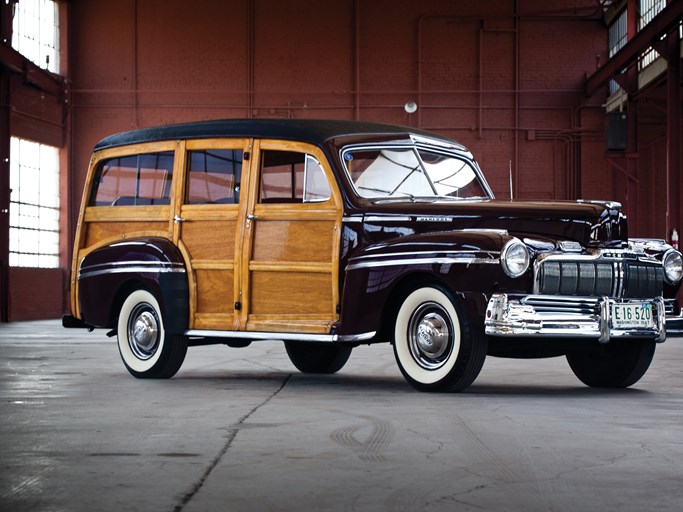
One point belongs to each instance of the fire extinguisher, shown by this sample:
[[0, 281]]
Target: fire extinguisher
[[674, 239]]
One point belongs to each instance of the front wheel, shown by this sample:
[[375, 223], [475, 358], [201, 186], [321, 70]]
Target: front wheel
[[437, 348], [618, 364], [317, 357], [147, 350]]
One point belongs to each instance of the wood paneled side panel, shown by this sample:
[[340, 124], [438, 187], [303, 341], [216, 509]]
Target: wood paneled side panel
[[296, 293], [214, 321], [210, 240], [216, 291], [288, 240], [98, 231], [311, 324]]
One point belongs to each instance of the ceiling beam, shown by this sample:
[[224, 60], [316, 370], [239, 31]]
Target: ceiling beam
[[17, 63], [664, 22]]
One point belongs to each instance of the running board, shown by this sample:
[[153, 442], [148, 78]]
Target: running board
[[283, 336]]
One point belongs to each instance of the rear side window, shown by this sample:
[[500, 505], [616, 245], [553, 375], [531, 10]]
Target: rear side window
[[133, 180], [214, 176]]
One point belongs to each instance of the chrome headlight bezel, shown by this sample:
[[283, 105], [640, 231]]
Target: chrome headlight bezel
[[672, 263], [515, 258]]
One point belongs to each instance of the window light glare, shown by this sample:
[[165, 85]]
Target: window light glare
[[35, 32], [34, 204]]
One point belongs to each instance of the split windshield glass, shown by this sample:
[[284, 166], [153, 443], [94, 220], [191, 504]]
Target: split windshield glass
[[411, 172]]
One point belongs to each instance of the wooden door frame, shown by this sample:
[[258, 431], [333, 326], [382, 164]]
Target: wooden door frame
[[252, 210]]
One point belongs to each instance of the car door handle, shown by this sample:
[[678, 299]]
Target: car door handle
[[251, 216], [177, 219]]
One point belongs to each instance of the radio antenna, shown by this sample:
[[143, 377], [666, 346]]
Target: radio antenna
[[510, 169]]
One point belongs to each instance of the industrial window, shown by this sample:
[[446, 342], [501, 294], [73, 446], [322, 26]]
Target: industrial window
[[34, 204], [213, 176], [648, 10], [617, 36], [135, 180], [35, 32]]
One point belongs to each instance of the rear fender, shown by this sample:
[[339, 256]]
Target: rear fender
[[109, 273]]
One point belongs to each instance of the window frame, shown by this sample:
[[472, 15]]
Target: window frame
[[29, 34], [416, 149], [238, 176], [296, 174], [166, 185], [22, 199]]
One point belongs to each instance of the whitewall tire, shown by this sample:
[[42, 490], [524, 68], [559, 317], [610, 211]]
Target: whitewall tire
[[146, 349], [436, 347]]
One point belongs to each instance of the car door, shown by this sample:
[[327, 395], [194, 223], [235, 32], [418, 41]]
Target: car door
[[207, 224], [290, 254]]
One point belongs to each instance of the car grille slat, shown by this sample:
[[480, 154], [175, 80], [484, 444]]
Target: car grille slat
[[624, 279], [545, 304]]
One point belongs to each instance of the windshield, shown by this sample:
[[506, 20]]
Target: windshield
[[411, 172]]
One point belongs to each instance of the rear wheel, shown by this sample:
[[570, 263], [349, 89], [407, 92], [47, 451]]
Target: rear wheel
[[146, 349], [614, 365], [317, 357], [437, 348]]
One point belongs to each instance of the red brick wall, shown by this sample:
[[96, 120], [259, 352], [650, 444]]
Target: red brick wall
[[35, 293], [478, 73], [506, 83]]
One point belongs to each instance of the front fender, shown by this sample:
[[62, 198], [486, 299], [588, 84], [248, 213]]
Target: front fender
[[108, 273], [467, 262]]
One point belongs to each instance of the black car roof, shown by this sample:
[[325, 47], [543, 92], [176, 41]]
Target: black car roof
[[313, 131]]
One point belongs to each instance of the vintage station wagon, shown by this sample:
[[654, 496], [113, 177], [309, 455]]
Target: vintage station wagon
[[328, 235]]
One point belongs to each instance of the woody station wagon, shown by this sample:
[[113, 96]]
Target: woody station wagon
[[328, 235]]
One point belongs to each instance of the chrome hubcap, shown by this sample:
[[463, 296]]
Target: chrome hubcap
[[143, 331], [430, 335]]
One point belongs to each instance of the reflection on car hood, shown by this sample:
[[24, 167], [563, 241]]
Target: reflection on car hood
[[587, 222]]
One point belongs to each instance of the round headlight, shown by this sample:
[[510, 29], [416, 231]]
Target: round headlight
[[514, 258], [673, 266]]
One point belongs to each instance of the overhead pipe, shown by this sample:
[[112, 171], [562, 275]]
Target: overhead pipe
[[356, 60], [480, 91], [251, 27]]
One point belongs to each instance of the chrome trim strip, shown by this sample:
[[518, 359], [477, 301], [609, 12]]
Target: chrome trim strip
[[383, 218], [421, 261], [283, 336], [442, 144], [503, 232], [133, 262], [508, 317], [495, 254], [467, 258], [128, 268], [352, 219]]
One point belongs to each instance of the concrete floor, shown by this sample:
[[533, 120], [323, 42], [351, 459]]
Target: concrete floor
[[239, 429]]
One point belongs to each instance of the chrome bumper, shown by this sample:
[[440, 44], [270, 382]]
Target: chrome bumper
[[567, 317]]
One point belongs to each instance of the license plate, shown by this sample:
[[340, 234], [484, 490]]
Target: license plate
[[632, 315]]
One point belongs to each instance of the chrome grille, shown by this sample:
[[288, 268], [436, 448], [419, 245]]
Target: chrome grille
[[545, 304], [600, 277]]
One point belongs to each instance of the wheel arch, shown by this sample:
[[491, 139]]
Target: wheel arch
[[401, 289], [110, 273]]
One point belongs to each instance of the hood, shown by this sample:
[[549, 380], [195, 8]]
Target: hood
[[590, 223]]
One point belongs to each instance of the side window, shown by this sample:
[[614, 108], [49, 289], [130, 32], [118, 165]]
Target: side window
[[133, 180], [316, 188], [214, 176], [291, 177]]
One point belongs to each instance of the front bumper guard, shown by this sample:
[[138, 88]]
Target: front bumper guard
[[567, 317]]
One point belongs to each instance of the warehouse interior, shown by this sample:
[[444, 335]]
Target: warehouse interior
[[571, 99]]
